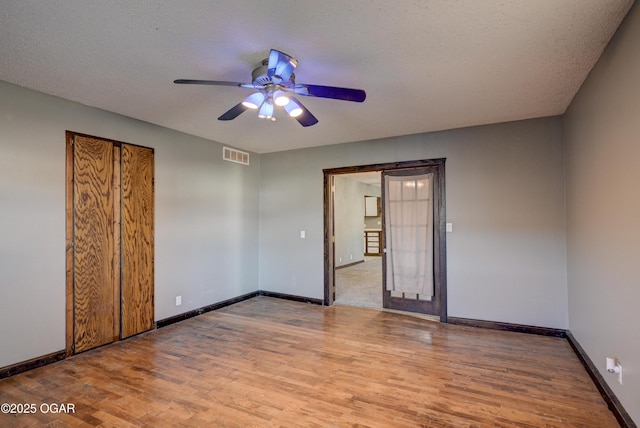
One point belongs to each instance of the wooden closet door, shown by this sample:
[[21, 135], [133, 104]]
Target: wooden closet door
[[137, 240], [94, 282]]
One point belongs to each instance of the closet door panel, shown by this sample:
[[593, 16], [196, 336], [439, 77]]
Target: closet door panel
[[137, 240], [93, 282]]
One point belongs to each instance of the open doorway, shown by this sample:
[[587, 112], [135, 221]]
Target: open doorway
[[391, 288], [357, 222]]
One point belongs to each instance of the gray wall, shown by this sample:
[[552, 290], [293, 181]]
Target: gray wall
[[206, 224], [349, 218], [602, 137], [506, 259]]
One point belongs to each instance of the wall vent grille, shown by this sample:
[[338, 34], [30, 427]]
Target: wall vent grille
[[237, 156]]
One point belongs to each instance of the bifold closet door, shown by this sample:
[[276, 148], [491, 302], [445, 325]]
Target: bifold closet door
[[95, 285], [137, 240], [109, 241]]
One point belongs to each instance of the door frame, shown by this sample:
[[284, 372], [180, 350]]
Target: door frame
[[440, 264]]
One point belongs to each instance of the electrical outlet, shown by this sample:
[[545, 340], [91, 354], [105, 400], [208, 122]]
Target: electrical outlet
[[350, 256], [340, 259], [178, 300]]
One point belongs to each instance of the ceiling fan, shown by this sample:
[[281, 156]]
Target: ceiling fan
[[275, 85]]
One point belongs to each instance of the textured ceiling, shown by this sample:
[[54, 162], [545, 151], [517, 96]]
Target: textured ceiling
[[426, 64]]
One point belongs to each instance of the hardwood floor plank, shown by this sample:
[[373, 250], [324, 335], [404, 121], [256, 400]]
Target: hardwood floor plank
[[278, 363]]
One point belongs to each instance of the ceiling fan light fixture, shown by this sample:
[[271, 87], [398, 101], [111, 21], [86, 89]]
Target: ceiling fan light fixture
[[266, 110], [293, 108], [280, 98], [254, 100], [275, 85]]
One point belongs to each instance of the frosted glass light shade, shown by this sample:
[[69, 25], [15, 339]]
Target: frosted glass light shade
[[254, 101], [266, 110], [280, 98], [293, 108]]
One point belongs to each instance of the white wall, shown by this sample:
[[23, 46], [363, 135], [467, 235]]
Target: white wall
[[506, 259], [602, 137], [206, 223]]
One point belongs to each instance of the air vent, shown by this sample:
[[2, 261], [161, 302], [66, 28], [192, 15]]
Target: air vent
[[233, 155]]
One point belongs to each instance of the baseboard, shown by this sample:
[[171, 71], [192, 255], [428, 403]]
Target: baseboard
[[186, 315], [349, 264], [519, 328], [34, 363], [612, 401], [291, 297]]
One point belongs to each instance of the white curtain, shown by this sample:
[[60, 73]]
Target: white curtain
[[409, 234]]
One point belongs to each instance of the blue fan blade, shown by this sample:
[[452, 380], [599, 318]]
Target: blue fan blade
[[208, 82], [306, 118], [281, 66], [345, 94], [233, 112]]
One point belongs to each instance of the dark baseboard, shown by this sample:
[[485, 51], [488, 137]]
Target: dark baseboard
[[349, 264], [519, 328], [612, 401], [185, 316], [32, 364], [291, 297]]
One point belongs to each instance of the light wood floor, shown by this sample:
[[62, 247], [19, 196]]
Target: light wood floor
[[271, 362]]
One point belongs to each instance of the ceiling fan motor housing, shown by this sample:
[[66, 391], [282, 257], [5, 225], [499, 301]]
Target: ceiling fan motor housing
[[260, 77]]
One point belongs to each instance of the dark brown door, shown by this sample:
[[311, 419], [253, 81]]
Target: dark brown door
[[137, 240], [413, 225], [109, 241]]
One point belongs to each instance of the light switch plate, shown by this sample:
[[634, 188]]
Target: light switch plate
[[449, 227], [303, 234]]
